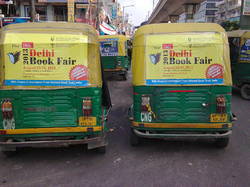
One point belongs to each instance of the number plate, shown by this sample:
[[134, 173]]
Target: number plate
[[218, 117], [87, 121], [146, 117]]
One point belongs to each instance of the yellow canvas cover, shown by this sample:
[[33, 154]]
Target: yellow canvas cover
[[239, 33], [119, 39], [49, 55], [181, 54], [244, 44]]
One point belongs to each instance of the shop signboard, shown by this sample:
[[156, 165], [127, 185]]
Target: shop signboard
[[246, 8], [3, 2], [61, 1], [114, 11]]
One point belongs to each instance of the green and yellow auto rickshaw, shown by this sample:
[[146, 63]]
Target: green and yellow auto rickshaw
[[115, 54], [239, 42], [52, 91], [181, 82]]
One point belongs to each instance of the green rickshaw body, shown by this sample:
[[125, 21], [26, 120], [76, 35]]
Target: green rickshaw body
[[51, 86], [181, 81], [114, 54], [239, 42]]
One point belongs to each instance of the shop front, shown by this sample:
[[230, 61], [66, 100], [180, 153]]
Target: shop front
[[57, 10], [7, 8]]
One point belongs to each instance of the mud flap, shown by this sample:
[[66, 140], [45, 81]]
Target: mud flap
[[101, 142], [8, 148]]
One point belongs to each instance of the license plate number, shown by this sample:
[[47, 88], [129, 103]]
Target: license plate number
[[87, 121], [218, 118]]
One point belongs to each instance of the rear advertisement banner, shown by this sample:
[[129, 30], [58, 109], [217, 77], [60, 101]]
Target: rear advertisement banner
[[109, 47], [46, 59], [184, 59], [245, 52]]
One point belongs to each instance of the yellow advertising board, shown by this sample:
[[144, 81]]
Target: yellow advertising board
[[184, 58], [46, 59]]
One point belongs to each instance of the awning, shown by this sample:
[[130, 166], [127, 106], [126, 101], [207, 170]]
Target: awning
[[107, 29]]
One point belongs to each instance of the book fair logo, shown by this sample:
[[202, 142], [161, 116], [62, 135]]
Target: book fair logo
[[155, 58], [14, 57]]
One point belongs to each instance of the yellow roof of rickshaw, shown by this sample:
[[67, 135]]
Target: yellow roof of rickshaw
[[118, 36], [178, 27], [238, 33], [51, 25]]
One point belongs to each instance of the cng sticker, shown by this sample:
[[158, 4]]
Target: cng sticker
[[146, 117]]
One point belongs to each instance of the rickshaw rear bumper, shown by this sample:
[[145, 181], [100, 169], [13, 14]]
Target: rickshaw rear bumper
[[148, 134], [116, 70], [7, 140], [182, 130], [91, 142]]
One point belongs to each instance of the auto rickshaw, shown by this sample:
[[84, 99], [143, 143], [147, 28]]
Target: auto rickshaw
[[239, 42], [181, 83], [115, 54], [52, 92]]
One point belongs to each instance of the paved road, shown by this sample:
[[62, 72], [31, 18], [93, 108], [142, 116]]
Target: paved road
[[154, 163]]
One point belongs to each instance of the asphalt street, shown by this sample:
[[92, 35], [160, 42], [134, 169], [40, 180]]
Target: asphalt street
[[154, 163]]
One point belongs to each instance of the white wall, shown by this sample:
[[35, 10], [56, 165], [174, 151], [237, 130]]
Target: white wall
[[50, 13], [22, 13]]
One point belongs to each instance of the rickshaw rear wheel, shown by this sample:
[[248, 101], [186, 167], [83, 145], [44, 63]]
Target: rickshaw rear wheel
[[9, 153], [124, 76], [101, 150], [133, 138], [222, 142], [245, 91]]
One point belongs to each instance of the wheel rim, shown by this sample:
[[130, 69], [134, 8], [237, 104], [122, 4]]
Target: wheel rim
[[246, 91]]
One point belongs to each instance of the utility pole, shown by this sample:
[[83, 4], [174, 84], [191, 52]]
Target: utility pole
[[71, 10], [97, 15], [33, 10], [245, 17], [123, 15]]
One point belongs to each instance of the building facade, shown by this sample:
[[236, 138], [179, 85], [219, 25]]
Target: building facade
[[203, 12], [206, 11], [105, 15], [57, 10], [228, 10]]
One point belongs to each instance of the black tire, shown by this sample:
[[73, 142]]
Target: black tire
[[9, 153], [133, 138], [245, 91], [124, 77], [222, 142], [101, 150]]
